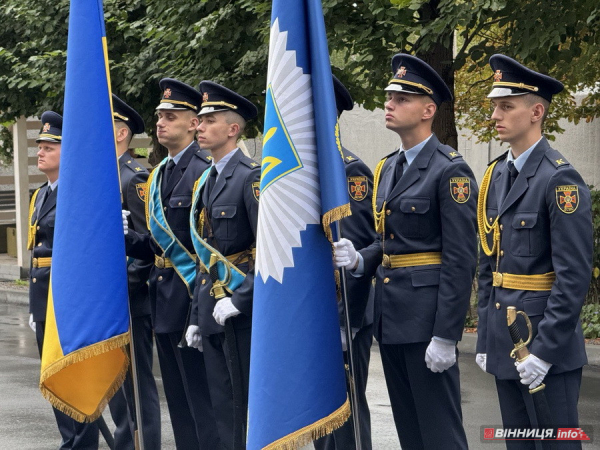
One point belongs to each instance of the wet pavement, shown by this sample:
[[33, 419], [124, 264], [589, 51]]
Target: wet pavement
[[27, 422]]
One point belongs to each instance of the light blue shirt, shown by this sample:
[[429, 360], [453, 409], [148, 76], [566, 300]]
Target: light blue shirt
[[412, 153], [179, 155], [522, 158], [53, 185], [223, 161]]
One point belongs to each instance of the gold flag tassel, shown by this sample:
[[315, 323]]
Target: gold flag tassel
[[320, 428]]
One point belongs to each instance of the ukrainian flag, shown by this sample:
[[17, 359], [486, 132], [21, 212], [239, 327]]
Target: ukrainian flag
[[297, 387], [84, 361]]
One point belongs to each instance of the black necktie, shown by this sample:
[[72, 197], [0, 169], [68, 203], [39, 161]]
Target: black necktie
[[46, 195], [399, 167], [514, 172], [212, 179], [169, 170]]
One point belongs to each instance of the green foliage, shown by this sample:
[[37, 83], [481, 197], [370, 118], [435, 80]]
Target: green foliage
[[593, 296], [590, 321]]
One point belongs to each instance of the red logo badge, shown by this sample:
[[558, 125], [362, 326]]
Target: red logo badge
[[142, 191], [498, 75], [167, 93], [256, 190], [205, 97], [46, 127], [358, 187], [401, 72], [460, 189], [567, 198]]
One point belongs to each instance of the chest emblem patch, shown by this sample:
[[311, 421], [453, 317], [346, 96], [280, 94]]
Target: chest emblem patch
[[358, 188], [460, 189], [567, 198]]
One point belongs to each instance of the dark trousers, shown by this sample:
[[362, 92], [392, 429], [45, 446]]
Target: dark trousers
[[184, 382], [426, 405], [75, 435], [122, 405], [343, 437], [516, 406], [218, 370]]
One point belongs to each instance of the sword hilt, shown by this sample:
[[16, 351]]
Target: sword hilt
[[520, 352]]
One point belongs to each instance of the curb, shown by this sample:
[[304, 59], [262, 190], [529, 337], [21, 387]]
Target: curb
[[16, 296]]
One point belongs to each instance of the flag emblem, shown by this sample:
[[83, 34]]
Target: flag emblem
[[567, 198], [358, 188], [460, 189]]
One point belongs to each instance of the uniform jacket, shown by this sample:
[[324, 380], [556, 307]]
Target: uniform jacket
[[169, 295], [540, 233], [39, 277], [133, 189], [233, 214], [425, 212], [360, 229]]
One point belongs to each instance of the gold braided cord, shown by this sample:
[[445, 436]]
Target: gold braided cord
[[482, 223], [32, 226], [516, 85], [147, 197], [378, 215], [177, 102], [412, 83]]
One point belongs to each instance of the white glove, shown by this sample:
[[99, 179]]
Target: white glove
[[224, 309], [440, 355], [344, 254], [193, 337], [31, 322], [125, 214], [481, 360], [532, 370]]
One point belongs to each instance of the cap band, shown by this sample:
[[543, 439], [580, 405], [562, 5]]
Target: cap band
[[52, 136], [412, 83], [177, 102], [516, 85], [120, 117], [221, 103]]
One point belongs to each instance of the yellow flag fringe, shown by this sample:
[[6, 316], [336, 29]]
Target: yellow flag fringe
[[114, 343], [314, 431]]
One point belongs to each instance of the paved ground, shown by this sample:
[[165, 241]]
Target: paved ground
[[26, 420]]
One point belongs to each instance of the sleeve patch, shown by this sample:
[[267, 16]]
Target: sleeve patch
[[358, 188], [256, 190], [142, 190], [460, 189], [567, 198]]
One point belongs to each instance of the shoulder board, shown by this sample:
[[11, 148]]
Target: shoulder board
[[499, 158], [204, 155], [349, 157], [449, 152], [555, 158], [247, 161], [135, 166]]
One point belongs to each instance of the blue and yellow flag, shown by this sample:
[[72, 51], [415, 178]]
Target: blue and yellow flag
[[297, 384], [87, 322]]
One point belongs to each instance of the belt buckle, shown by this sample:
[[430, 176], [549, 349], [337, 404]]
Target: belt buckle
[[386, 261], [497, 279], [34, 263], [160, 262]]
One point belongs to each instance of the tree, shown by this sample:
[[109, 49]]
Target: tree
[[227, 41]]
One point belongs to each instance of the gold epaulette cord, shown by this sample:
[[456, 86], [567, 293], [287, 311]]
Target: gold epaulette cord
[[486, 228], [378, 216], [32, 227]]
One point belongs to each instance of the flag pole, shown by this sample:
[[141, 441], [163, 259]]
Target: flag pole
[[138, 434], [351, 371]]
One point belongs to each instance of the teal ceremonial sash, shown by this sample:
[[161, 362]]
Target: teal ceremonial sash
[[230, 276], [183, 261]]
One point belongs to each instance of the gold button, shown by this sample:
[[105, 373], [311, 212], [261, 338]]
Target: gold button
[[386, 280], [412, 208], [34, 280], [129, 162], [203, 280], [388, 212], [165, 208], [392, 236], [222, 213], [501, 227], [522, 223], [38, 227], [179, 204], [160, 278], [501, 252], [497, 305], [491, 219], [39, 244]]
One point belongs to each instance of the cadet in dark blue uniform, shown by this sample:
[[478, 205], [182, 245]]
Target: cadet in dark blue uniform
[[133, 190], [536, 234], [171, 279], [424, 261], [226, 216], [42, 212], [357, 228]]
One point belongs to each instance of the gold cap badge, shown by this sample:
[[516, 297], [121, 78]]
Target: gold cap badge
[[205, 97], [46, 127], [401, 72], [167, 93], [498, 75]]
